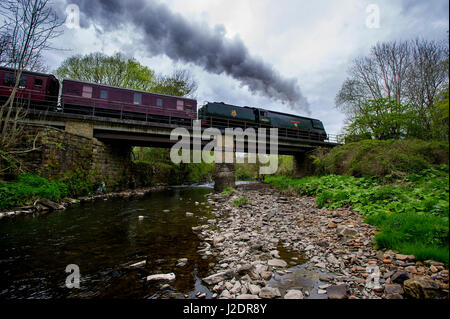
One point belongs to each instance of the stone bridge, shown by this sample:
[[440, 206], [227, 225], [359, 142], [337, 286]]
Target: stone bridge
[[71, 141]]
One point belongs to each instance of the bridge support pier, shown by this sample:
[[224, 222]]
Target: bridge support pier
[[224, 176], [302, 165]]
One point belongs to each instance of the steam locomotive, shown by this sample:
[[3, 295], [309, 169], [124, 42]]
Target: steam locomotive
[[44, 91]]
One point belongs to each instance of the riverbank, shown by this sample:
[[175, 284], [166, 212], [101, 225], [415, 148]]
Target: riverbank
[[44, 205], [261, 242]]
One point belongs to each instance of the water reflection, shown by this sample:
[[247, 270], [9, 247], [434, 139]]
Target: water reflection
[[102, 238]]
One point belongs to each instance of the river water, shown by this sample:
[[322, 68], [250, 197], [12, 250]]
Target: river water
[[102, 238]]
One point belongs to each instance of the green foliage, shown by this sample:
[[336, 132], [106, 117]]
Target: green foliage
[[384, 119], [241, 201], [179, 83], [381, 158], [154, 166], [118, 70], [250, 171], [28, 188], [399, 90], [80, 182], [439, 115], [228, 191], [411, 212]]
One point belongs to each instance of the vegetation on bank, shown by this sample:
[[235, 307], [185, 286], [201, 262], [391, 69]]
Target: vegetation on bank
[[27, 188], [411, 212], [250, 171], [153, 165], [381, 158], [240, 201]]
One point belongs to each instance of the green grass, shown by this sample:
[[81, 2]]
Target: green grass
[[411, 213], [27, 188], [241, 201], [228, 191]]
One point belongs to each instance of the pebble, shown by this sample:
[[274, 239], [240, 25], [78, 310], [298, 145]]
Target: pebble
[[246, 243]]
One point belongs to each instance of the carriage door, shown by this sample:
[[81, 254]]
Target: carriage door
[[87, 91], [180, 105]]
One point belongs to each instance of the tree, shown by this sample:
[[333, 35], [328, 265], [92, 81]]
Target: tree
[[28, 26], [118, 70], [115, 70], [439, 115], [385, 119], [179, 83], [409, 74]]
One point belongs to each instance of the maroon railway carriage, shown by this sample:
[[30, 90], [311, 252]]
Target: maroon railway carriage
[[102, 100], [37, 90]]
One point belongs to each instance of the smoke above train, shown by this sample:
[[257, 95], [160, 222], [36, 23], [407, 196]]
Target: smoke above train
[[167, 33]]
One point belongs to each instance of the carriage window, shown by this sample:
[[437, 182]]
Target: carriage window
[[38, 83], [9, 79], [189, 107], [137, 98], [87, 91], [103, 94], [159, 102], [179, 105], [23, 82]]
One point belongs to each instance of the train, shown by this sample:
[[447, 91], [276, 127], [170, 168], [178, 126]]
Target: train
[[46, 92]]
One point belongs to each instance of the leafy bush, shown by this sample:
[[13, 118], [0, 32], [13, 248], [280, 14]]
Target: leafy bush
[[228, 191], [241, 201], [380, 158], [80, 183], [27, 188]]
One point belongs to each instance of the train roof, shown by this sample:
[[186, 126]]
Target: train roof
[[118, 87], [287, 114], [250, 107], [28, 72]]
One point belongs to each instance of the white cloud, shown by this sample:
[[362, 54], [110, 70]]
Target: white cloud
[[312, 41]]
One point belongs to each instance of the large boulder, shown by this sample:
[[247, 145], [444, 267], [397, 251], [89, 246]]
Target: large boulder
[[423, 288], [269, 293], [337, 291], [293, 294], [277, 263], [157, 277], [221, 276], [50, 204]]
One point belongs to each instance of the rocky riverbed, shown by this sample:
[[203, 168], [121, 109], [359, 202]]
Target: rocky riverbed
[[278, 246]]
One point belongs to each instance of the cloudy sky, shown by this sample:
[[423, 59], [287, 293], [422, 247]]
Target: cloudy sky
[[310, 42]]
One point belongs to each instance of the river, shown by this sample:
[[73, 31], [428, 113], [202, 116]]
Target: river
[[102, 238]]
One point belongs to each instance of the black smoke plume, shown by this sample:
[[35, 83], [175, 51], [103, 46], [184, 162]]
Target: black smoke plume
[[165, 32]]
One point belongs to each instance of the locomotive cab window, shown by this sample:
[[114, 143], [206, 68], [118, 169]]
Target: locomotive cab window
[[137, 98], [180, 105], [159, 102], [317, 124], [38, 83], [87, 91], [103, 94]]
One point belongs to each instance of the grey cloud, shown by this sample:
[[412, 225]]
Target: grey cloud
[[165, 32]]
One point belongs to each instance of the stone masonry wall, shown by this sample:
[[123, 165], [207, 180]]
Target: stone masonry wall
[[60, 152]]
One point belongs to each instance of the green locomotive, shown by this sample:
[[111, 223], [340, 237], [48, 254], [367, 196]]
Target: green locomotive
[[225, 115]]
